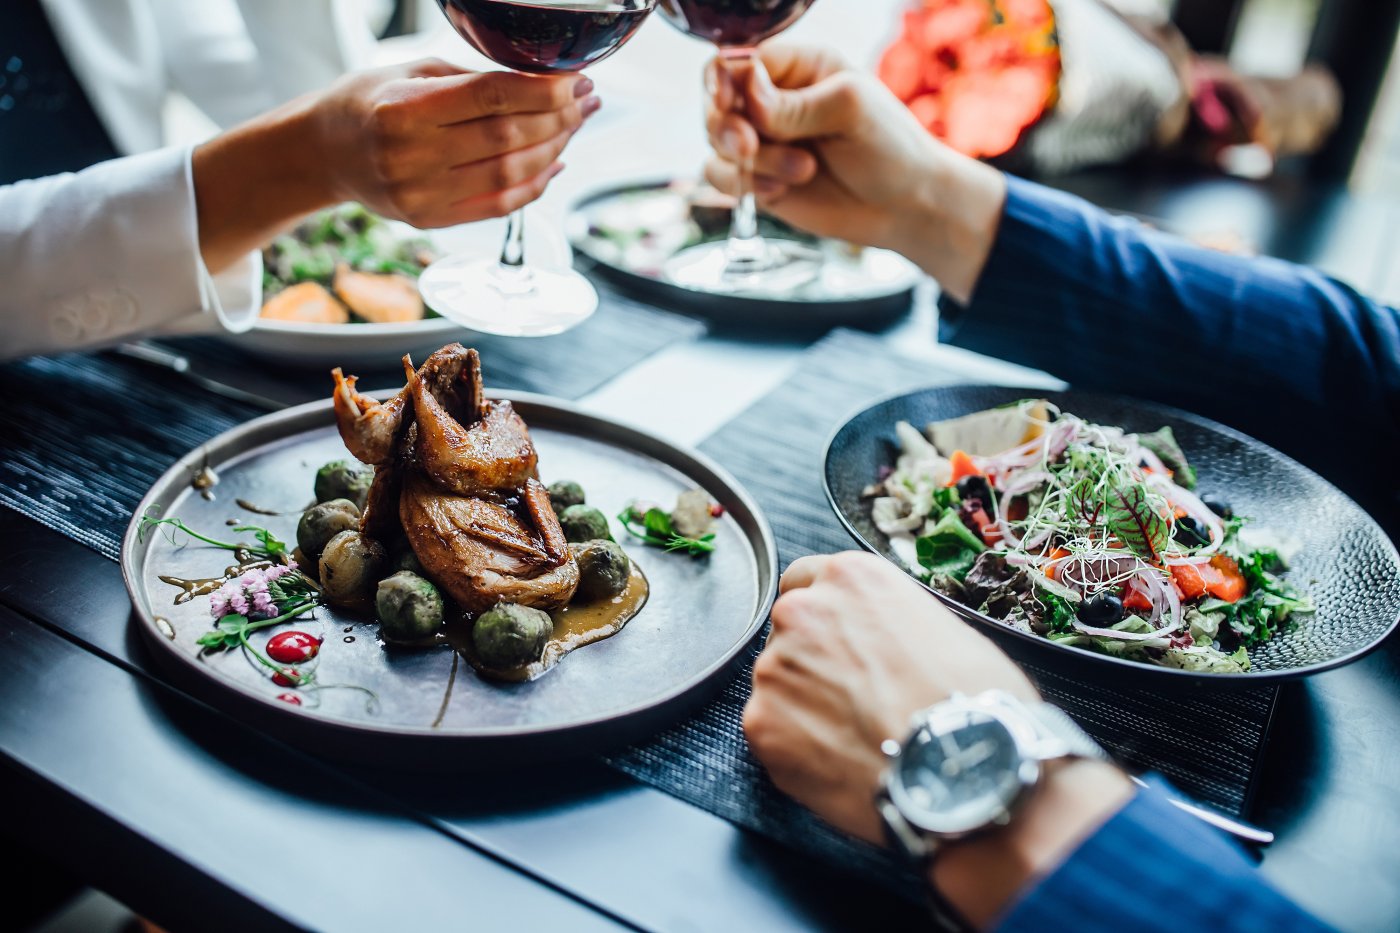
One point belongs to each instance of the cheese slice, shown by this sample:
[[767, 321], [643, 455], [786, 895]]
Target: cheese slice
[[989, 432]]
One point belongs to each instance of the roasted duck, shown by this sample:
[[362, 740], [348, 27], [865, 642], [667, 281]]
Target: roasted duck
[[455, 473]]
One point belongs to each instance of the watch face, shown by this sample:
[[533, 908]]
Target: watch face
[[959, 774]]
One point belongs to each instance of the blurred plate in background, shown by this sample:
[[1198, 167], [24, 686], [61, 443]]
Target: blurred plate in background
[[629, 231], [363, 344]]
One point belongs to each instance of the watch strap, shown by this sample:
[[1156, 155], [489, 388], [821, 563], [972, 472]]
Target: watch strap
[[1063, 734]]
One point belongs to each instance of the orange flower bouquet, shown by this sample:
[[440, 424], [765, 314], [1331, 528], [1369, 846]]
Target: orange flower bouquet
[[976, 73]]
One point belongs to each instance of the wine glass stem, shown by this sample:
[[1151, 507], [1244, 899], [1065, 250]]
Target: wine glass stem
[[512, 276], [745, 248]]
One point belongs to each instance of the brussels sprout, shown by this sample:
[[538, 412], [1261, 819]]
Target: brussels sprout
[[565, 493], [343, 479], [351, 565], [322, 522], [409, 607], [603, 569], [584, 523], [511, 636]]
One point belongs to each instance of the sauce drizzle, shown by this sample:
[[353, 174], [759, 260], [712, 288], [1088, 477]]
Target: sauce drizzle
[[576, 625]]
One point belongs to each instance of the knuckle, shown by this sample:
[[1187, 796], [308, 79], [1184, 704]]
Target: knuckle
[[508, 171], [500, 203], [504, 135], [846, 90], [852, 570], [792, 610], [388, 164], [404, 199], [389, 117], [493, 95]]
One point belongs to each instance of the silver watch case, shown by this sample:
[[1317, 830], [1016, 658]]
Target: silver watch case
[[1036, 742]]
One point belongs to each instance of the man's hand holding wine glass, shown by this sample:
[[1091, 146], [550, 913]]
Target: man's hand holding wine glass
[[837, 155]]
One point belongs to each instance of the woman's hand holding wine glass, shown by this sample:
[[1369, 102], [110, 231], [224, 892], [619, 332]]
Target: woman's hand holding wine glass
[[433, 145], [427, 143], [506, 296], [835, 154]]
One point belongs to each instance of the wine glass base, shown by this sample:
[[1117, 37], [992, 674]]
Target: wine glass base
[[779, 267], [484, 296]]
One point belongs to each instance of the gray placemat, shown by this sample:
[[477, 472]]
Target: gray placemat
[[1207, 747], [84, 437]]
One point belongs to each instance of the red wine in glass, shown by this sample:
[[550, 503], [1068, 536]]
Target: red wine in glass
[[542, 38], [747, 262], [506, 296], [734, 23]]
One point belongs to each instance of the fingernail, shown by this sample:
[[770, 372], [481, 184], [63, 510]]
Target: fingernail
[[583, 87], [793, 164], [554, 169], [732, 143], [711, 80], [590, 106], [767, 186]]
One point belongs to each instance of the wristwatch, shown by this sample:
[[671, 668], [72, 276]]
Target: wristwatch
[[967, 764]]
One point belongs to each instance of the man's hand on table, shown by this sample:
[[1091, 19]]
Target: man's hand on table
[[426, 143], [856, 649], [836, 154]]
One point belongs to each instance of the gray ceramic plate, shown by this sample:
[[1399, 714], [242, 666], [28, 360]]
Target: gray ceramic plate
[[433, 708], [629, 231], [1345, 561]]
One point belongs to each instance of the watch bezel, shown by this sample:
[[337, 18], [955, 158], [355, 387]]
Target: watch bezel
[[950, 715]]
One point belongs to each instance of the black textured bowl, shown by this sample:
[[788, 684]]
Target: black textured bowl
[[1346, 563]]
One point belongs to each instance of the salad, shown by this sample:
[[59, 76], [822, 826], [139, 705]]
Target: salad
[[344, 265], [1085, 534]]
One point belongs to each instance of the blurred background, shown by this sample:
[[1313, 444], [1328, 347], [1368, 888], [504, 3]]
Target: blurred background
[[1269, 126]]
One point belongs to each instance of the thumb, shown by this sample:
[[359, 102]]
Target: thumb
[[829, 107]]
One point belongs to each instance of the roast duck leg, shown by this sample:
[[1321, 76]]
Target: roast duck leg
[[456, 474]]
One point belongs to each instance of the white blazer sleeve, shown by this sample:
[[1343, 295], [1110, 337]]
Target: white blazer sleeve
[[109, 253]]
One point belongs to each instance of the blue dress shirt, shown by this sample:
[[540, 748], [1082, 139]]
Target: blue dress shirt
[[1279, 351], [1282, 352], [1153, 869]]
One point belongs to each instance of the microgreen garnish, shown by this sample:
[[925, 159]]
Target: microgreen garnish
[[653, 526], [268, 546], [259, 599]]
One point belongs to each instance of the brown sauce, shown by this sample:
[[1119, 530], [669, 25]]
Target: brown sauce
[[190, 589], [247, 506], [576, 625]]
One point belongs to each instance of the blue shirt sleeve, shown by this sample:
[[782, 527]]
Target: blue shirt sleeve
[[1153, 869], [1280, 351]]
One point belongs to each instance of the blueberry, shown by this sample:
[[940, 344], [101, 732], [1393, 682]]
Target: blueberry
[[975, 487], [1101, 611]]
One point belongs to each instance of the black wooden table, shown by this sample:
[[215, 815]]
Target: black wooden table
[[199, 823]]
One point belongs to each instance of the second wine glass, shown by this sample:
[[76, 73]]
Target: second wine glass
[[746, 261], [506, 296]]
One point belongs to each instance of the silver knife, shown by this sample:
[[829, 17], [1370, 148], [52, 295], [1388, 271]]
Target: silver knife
[[158, 356], [1240, 830]]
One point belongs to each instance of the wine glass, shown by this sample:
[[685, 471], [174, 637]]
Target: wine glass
[[506, 296], [747, 261]]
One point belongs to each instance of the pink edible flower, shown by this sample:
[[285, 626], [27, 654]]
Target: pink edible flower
[[248, 595]]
